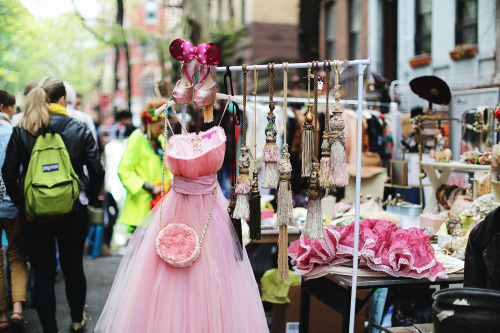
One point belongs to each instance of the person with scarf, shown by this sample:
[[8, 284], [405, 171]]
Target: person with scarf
[[9, 223], [140, 168], [46, 109]]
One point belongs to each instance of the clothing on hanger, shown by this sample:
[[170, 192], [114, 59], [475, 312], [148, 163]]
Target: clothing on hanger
[[163, 298]]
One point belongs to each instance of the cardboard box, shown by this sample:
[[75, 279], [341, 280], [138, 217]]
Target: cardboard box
[[322, 319]]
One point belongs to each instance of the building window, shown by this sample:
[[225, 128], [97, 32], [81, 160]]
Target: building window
[[330, 31], [466, 23], [147, 84], [151, 15], [423, 28], [354, 28], [151, 10]]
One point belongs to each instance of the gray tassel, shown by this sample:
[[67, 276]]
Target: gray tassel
[[285, 212], [307, 143], [314, 228]]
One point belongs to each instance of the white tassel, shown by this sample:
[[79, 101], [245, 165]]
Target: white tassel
[[338, 168], [325, 181], [242, 208], [314, 222], [285, 204], [271, 175]]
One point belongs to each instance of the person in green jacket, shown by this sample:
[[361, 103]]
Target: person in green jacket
[[140, 168]]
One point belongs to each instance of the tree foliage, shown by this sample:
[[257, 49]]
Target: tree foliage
[[230, 39], [32, 48]]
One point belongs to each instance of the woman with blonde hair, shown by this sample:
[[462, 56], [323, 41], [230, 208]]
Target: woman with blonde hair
[[140, 168], [45, 112]]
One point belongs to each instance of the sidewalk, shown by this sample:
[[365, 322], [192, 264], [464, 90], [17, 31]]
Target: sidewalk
[[100, 274]]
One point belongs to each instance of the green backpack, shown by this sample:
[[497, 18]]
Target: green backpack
[[51, 186]]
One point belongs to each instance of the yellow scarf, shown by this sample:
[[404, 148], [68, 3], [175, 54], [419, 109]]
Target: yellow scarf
[[58, 109]]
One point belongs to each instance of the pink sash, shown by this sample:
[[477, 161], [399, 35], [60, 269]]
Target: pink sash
[[200, 185]]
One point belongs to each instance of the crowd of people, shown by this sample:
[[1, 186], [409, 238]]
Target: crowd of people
[[45, 225]]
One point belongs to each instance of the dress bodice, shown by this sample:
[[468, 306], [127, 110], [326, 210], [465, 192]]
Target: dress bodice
[[194, 155]]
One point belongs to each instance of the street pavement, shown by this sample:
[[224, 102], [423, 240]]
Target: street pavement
[[100, 273]]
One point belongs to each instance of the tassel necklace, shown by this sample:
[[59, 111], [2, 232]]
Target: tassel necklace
[[271, 154], [243, 182], [314, 221], [325, 180], [285, 201], [308, 133], [338, 169], [255, 217]]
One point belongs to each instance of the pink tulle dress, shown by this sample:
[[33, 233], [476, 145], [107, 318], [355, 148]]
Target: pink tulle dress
[[383, 247], [218, 292]]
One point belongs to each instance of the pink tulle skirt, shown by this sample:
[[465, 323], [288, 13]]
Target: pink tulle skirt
[[216, 294]]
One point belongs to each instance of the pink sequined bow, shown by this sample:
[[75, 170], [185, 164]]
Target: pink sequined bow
[[182, 50], [206, 54]]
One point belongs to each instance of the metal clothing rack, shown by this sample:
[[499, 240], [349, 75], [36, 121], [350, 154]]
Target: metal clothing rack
[[265, 99], [361, 65]]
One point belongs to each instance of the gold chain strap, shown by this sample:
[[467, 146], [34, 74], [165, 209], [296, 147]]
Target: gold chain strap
[[179, 119], [165, 132], [210, 214]]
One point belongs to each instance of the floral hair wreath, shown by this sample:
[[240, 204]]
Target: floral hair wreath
[[149, 116]]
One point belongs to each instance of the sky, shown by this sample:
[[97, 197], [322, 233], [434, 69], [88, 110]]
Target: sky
[[51, 8]]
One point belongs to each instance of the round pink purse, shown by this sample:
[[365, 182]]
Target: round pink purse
[[178, 244]]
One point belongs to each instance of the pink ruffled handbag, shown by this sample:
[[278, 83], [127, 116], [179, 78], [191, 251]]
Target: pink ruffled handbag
[[178, 244]]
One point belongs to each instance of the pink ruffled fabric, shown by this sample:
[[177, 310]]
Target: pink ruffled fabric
[[382, 247]]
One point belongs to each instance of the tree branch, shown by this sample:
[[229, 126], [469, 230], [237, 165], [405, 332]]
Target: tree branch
[[85, 25]]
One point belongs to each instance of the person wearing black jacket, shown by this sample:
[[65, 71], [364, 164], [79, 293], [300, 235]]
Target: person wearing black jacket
[[45, 108], [482, 255]]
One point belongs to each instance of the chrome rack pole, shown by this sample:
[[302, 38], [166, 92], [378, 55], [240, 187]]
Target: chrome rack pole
[[352, 315], [293, 65]]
